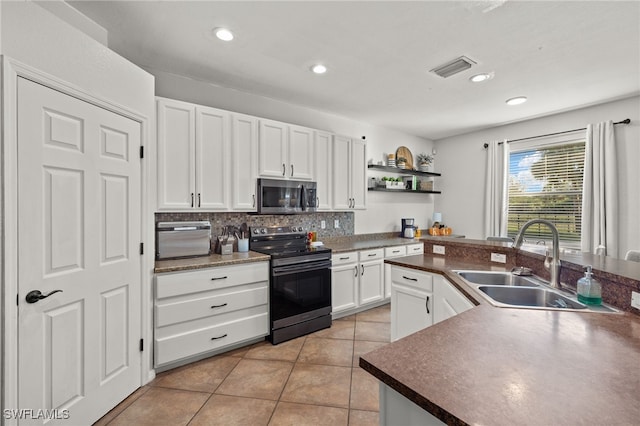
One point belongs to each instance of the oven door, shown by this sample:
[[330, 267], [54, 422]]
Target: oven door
[[300, 292]]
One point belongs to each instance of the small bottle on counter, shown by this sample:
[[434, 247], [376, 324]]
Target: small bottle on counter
[[589, 289]]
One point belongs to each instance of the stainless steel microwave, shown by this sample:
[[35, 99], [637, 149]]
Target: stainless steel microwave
[[286, 196]]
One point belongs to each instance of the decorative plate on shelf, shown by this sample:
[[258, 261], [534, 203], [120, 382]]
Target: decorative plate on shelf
[[404, 152]]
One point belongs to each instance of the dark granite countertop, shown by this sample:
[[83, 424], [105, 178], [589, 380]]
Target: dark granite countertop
[[507, 366], [343, 245], [174, 265]]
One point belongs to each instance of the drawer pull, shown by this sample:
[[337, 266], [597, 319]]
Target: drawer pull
[[395, 251], [372, 254], [410, 279], [344, 258], [216, 338], [426, 305], [219, 278], [218, 306]]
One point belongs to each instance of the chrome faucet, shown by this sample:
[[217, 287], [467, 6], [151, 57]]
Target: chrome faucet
[[554, 266]]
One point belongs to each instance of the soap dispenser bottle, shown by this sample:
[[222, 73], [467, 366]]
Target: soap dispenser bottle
[[589, 289]]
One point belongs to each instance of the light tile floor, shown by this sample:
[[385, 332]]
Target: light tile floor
[[311, 380]]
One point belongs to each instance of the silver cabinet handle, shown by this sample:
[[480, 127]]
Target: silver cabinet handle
[[284, 169], [426, 305], [317, 202], [218, 306], [356, 267], [292, 170]]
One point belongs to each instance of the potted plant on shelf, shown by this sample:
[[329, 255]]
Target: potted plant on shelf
[[401, 162], [424, 162]]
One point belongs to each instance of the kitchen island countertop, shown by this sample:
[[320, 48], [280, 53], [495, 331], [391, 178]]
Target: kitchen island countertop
[[493, 365]]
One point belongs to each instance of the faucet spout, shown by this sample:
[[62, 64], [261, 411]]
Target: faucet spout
[[554, 265]]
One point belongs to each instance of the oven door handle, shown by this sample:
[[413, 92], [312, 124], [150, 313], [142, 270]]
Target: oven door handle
[[292, 269]]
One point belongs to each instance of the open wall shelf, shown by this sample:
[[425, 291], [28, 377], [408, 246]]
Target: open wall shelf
[[405, 190], [399, 171]]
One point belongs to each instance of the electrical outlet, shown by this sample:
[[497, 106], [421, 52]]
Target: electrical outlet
[[323, 224], [498, 257], [438, 249], [635, 299], [336, 224]]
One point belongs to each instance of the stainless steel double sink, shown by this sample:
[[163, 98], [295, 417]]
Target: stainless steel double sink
[[505, 289]]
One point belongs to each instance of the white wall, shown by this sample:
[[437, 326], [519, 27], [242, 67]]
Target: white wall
[[384, 210], [462, 162]]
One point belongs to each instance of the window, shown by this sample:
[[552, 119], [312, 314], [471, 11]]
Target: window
[[545, 182]]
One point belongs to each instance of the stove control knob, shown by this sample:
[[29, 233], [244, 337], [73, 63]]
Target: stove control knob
[[256, 231], [263, 231], [300, 229]]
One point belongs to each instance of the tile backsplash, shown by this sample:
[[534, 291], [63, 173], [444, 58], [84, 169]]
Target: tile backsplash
[[311, 221]]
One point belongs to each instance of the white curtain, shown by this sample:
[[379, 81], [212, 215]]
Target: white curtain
[[600, 195], [495, 209]]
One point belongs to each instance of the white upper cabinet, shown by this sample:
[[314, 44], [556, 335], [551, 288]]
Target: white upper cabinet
[[193, 143], [323, 169], [245, 161], [285, 151], [349, 176]]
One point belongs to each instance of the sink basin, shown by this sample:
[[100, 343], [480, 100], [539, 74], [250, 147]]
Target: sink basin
[[497, 278], [535, 297]]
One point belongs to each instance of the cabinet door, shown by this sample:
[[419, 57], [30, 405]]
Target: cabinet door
[[358, 174], [448, 300], [411, 310], [322, 169], [176, 155], [344, 287], [341, 171], [212, 158], [371, 281], [272, 149], [244, 142], [300, 153]]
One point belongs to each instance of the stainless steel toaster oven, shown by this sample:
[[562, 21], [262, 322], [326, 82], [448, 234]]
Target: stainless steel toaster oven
[[183, 239]]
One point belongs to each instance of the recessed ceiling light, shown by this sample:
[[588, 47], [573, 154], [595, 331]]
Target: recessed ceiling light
[[480, 77], [223, 34], [319, 69], [516, 101]]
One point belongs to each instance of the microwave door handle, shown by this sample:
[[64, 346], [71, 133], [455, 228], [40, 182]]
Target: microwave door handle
[[304, 203]]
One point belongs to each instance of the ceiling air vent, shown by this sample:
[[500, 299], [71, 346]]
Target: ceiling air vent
[[454, 67]]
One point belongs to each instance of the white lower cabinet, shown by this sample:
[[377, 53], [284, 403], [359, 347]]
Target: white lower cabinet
[[357, 280], [395, 409], [398, 251], [420, 299], [210, 309]]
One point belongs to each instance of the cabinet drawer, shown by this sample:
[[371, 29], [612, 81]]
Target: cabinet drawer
[[396, 251], [415, 249], [342, 258], [207, 339], [375, 254], [210, 305], [178, 283], [412, 278]]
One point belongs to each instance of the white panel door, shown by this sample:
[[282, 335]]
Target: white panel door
[[344, 287], [371, 281], [341, 171], [358, 174], [411, 310], [79, 230], [244, 143], [323, 169], [300, 153], [176, 155], [212, 158], [272, 146]]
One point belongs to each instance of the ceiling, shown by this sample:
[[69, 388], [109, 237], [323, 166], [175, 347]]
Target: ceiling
[[562, 55]]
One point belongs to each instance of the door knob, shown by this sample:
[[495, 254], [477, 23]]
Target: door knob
[[34, 295]]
